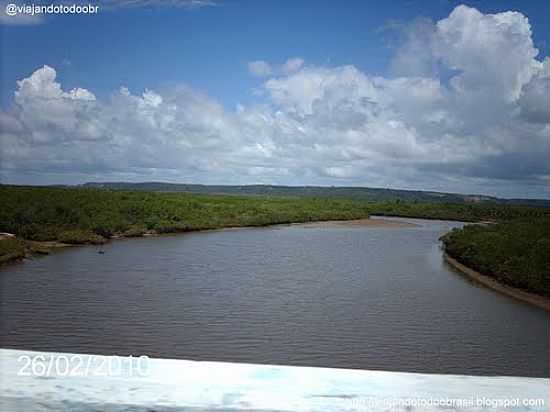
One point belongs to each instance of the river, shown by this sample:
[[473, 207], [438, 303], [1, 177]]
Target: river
[[347, 297]]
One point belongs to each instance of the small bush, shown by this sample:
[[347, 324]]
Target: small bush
[[76, 236], [11, 249]]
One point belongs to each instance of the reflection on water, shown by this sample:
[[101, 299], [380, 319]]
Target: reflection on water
[[370, 298]]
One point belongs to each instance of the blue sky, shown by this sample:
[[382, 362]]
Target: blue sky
[[209, 47], [207, 50]]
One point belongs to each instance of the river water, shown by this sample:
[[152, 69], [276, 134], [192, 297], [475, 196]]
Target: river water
[[348, 297]]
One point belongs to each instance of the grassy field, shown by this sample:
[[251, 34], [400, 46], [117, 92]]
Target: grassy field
[[516, 253]]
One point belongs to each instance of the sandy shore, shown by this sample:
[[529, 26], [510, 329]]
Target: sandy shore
[[374, 223], [537, 300]]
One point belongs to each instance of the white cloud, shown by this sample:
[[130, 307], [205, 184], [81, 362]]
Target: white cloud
[[292, 65], [259, 68], [415, 56], [534, 99], [493, 52], [478, 122]]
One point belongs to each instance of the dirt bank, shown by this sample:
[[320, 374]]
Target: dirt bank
[[537, 300], [375, 223]]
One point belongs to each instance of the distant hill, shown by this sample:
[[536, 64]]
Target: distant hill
[[366, 193]]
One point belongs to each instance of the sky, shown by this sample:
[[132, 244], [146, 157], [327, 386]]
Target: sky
[[432, 95]]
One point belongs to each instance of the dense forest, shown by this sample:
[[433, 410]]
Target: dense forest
[[516, 250], [516, 253]]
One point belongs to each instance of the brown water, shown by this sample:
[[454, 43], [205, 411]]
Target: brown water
[[350, 297]]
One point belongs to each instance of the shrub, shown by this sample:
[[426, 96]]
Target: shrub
[[11, 249], [77, 236]]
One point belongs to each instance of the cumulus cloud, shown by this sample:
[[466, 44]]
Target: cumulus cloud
[[473, 116], [259, 68], [534, 101]]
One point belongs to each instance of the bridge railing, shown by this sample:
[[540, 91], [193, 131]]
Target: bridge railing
[[43, 381]]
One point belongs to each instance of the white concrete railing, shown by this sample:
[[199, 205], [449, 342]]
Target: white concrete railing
[[41, 381]]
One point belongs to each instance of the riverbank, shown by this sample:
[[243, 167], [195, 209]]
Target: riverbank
[[514, 253], [13, 249], [533, 299]]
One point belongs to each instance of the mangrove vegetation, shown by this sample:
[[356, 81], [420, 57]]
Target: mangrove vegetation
[[516, 253]]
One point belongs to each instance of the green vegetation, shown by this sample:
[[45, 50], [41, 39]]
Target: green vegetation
[[91, 215], [466, 212], [80, 215], [12, 249], [79, 236], [516, 253], [358, 193]]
